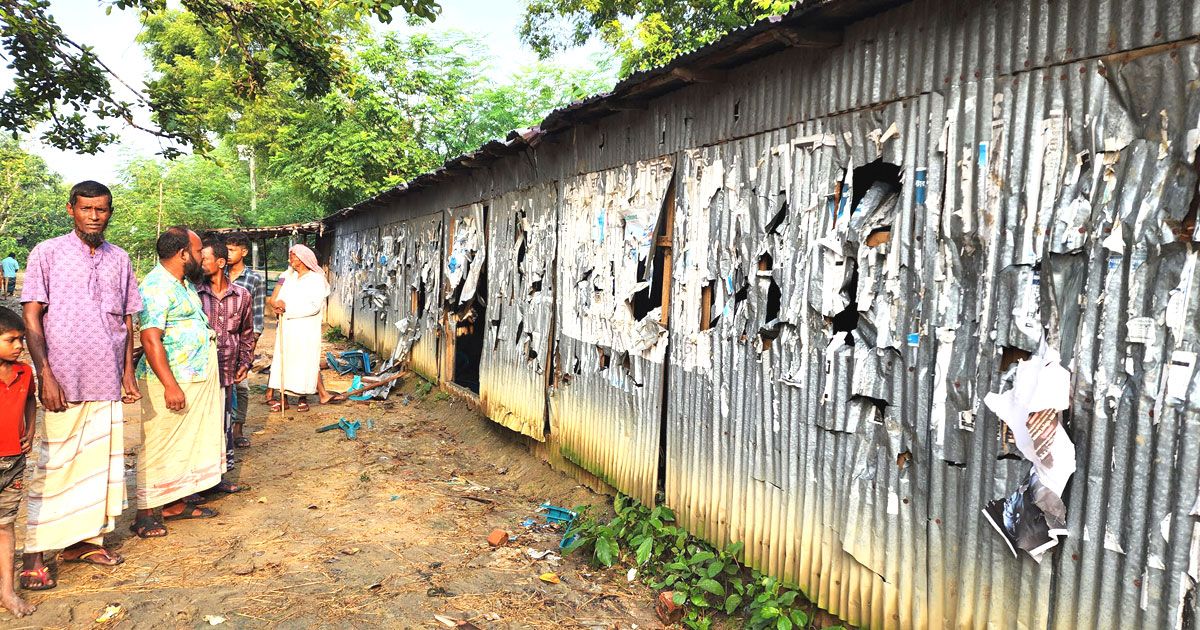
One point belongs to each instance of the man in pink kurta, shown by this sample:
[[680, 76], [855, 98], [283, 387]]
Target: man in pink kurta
[[79, 297]]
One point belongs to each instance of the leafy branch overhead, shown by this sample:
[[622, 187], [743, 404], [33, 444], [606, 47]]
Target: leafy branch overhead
[[62, 89], [645, 34]]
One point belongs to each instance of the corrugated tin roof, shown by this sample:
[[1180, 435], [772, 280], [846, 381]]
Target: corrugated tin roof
[[310, 227], [815, 24]]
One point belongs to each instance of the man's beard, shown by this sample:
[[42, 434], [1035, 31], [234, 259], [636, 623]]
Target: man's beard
[[193, 271], [93, 239]]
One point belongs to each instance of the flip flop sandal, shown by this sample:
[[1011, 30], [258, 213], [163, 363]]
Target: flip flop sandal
[[190, 512], [302, 406], [196, 499], [101, 551], [241, 442], [143, 524], [42, 576], [275, 405], [226, 487]]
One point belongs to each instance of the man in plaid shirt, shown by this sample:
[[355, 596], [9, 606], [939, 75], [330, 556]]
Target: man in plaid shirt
[[252, 281]]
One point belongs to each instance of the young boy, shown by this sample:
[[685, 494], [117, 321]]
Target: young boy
[[16, 438]]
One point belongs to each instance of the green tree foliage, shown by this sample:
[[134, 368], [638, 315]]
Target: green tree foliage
[[202, 192], [644, 34], [66, 89], [418, 101], [32, 200]]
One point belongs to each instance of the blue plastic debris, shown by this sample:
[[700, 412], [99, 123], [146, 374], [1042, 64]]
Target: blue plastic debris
[[567, 540], [349, 427], [555, 514], [357, 384], [527, 523], [357, 361]]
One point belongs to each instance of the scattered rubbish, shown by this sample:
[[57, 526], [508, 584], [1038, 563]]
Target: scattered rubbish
[[527, 523], [502, 470], [437, 591], [368, 387], [455, 480], [458, 623], [214, 620], [1034, 517], [549, 578], [374, 586], [370, 423], [567, 541], [667, 610], [349, 427], [350, 361], [350, 551], [111, 613], [395, 496], [555, 514], [497, 538], [631, 575], [545, 555], [262, 499], [313, 506]]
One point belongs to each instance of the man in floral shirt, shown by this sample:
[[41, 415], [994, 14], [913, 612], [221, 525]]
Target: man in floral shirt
[[183, 437]]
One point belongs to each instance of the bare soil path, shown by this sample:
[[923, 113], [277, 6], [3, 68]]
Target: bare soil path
[[386, 531]]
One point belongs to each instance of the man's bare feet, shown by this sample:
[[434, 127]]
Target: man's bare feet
[[15, 605]]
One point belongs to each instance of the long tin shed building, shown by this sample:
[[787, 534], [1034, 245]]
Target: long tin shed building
[[798, 281]]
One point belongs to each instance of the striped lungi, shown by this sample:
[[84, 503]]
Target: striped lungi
[[78, 487]]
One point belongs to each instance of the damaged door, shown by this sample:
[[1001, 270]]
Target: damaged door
[[465, 295], [515, 369], [606, 403]]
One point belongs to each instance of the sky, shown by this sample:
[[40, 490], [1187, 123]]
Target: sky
[[113, 36]]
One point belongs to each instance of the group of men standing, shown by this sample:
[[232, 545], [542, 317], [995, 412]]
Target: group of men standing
[[201, 313]]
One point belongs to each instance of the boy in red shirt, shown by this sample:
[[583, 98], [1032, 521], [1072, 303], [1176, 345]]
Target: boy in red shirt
[[17, 410]]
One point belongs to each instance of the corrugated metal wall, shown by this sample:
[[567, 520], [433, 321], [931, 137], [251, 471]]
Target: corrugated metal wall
[[1046, 159], [606, 405], [521, 287]]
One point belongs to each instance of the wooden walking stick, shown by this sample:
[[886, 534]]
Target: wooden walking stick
[[282, 371]]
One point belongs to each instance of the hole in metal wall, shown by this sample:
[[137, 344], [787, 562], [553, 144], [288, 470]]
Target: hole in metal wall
[[869, 174], [847, 320], [879, 404], [1010, 355], [601, 358], [737, 111], [706, 305], [772, 226]]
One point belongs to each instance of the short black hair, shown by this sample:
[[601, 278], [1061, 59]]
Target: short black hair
[[214, 240], [89, 188], [172, 241], [239, 239], [12, 254], [9, 321]]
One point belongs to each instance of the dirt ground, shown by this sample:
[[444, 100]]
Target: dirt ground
[[388, 530]]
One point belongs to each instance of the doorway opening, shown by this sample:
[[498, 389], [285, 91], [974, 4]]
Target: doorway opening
[[472, 317]]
